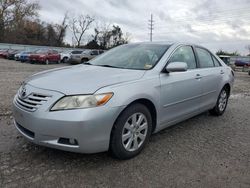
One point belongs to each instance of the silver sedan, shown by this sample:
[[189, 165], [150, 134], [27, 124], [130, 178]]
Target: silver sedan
[[117, 100]]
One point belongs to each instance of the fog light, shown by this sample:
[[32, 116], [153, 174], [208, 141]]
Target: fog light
[[68, 141]]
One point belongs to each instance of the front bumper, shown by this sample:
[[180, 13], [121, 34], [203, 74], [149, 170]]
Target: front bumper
[[74, 60], [89, 128]]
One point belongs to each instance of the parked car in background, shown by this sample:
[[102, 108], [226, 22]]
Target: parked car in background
[[226, 60], [45, 56], [65, 55], [4, 53], [24, 56], [240, 63], [12, 53], [75, 56], [17, 56], [85, 56], [117, 100]]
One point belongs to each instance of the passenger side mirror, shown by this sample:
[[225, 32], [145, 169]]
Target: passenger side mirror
[[176, 67]]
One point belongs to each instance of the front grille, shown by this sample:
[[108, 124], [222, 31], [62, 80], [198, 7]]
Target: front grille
[[31, 102]]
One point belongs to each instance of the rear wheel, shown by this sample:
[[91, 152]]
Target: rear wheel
[[131, 132], [221, 104], [64, 60], [84, 60]]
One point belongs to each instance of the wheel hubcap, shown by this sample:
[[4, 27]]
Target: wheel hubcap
[[134, 132], [223, 100]]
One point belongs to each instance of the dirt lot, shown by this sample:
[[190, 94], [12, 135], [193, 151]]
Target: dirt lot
[[204, 151]]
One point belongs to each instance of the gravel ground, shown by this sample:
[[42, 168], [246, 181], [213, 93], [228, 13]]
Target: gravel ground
[[204, 151]]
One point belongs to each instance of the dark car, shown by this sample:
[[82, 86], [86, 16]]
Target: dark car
[[45, 56], [240, 63], [11, 54]]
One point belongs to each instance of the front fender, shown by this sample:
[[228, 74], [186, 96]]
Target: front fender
[[126, 93]]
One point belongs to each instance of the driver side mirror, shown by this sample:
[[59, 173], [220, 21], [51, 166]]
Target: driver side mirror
[[176, 67]]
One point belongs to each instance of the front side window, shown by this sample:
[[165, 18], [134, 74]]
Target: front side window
[[76, 52], [184, 54], [205, 58]]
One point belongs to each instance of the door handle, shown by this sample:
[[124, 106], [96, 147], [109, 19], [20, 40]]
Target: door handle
[[222, 72], [198, 76]]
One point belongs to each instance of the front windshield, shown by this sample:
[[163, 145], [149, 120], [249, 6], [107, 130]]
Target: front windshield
[[132, 56], [42, 51]]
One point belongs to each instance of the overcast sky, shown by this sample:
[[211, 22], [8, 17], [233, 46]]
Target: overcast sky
[[216, 24]]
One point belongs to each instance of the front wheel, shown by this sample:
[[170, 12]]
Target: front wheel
[[84, 60], [221, 103], [131, 132], [64, 60]]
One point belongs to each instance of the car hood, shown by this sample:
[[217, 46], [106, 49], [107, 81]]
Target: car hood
[[82, 79]]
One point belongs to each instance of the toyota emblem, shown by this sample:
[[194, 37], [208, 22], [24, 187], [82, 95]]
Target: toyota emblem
[[23, 92]]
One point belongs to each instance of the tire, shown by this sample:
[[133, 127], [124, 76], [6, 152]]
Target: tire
[[64, 60], [125, 133], [221, 103], [47, 62], [84, 60]]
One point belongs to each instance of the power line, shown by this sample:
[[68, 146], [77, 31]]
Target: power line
[[151, 27]]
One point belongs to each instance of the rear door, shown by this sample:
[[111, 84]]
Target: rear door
[[211, 72], [50, 56], [181, 92]]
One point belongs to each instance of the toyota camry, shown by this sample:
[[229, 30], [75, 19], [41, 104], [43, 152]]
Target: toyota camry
[[117, 100]]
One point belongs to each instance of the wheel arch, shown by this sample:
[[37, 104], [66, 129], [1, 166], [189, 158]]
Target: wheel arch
[[228, 88], [85, 58], [151, 107]]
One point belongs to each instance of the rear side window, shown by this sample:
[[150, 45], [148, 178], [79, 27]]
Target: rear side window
[[216, 62], [94, 52], [205, 58], [76, 52], [184, 54]]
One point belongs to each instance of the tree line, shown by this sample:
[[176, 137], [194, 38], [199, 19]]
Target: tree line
[[20, 24]]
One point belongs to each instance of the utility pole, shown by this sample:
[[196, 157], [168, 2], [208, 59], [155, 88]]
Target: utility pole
[[151, 27]]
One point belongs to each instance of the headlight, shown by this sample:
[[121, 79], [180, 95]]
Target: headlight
[[81, 101]]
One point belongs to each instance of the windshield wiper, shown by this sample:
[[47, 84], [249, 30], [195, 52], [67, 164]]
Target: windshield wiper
[[87, 63], [108, 66]]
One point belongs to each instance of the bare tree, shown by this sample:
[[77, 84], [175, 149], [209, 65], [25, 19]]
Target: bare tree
[[61, 30], [5, 16], [79, 26], [13, 13]]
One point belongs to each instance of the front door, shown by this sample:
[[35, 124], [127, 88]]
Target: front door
[[181, 92]]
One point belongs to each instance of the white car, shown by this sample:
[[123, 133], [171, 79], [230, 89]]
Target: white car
[[65, 56]]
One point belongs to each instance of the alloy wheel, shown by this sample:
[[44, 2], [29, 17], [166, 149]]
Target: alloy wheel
[[222, 100], [134, 132]]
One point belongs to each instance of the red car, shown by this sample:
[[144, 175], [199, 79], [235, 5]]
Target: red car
[[4, 53], [45, 56]]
